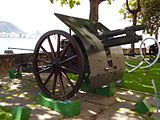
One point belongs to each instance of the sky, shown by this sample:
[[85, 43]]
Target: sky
[[38, 15]]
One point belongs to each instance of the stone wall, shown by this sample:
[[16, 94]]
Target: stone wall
[[8, 61], [136, 50]]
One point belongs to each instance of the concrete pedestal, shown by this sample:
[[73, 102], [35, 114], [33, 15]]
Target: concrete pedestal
[[66, 107], [105, 90], [45, 101], [142, 107]]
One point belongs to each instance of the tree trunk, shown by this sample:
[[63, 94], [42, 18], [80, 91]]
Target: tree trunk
[[94, 10], [156, 35], [134, 13], [156, 32], [134, 24]]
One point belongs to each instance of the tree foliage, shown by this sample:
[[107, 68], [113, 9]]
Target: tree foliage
[[151, 16], [126, 13], [70, 3]]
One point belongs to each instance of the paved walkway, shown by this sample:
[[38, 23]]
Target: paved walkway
[[24, 91]]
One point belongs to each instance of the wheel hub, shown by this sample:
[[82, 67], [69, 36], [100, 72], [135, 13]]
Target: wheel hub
[[56, 65]]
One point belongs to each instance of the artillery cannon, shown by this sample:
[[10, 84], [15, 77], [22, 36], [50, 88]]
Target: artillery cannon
[[21, 61], [93, 54]]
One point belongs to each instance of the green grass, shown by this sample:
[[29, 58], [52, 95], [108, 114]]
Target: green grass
[[5, 113], [5, 116], [141, 79]]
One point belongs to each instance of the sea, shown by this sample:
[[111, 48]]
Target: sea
[[30, 44], [21, 43]]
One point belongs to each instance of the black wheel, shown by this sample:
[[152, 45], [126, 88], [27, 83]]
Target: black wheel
[[58, 65], [153, 51]]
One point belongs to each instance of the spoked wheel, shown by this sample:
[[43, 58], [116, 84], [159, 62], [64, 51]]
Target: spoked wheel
[[153, 51], [58, 65]]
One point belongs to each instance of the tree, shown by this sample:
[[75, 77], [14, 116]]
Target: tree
[[94, 4], [149, 14], [134, 13], [130, 10]]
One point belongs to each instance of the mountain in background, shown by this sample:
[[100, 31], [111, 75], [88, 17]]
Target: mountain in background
[[9, 27]]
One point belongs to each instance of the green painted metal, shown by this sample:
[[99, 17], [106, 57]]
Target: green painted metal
[[142, 107], [68, 108], [106, 90], [45, 101], [13, 74], [86, 87], [21, 112]]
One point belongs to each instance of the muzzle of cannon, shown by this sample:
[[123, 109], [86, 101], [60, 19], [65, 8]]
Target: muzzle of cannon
[[94, 52]]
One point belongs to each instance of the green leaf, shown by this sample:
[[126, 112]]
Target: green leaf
[[78, 2], [109, 1], [51, 1]]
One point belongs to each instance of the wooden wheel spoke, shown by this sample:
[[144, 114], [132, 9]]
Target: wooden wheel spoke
[[68, 80], [44, 50], [65, 50], [48, 78], [69, 69], [51, 47], [54, 83], [61, 83], [68, 59], [43, 60], [58, 45], [43, 70]]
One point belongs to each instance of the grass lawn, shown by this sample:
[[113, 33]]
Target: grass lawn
[[5, 113], [141, 79]]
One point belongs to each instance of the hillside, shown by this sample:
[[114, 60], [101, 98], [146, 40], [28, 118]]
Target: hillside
[[9, 27]]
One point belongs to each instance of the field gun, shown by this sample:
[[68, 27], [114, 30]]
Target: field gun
[[93, 54]]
